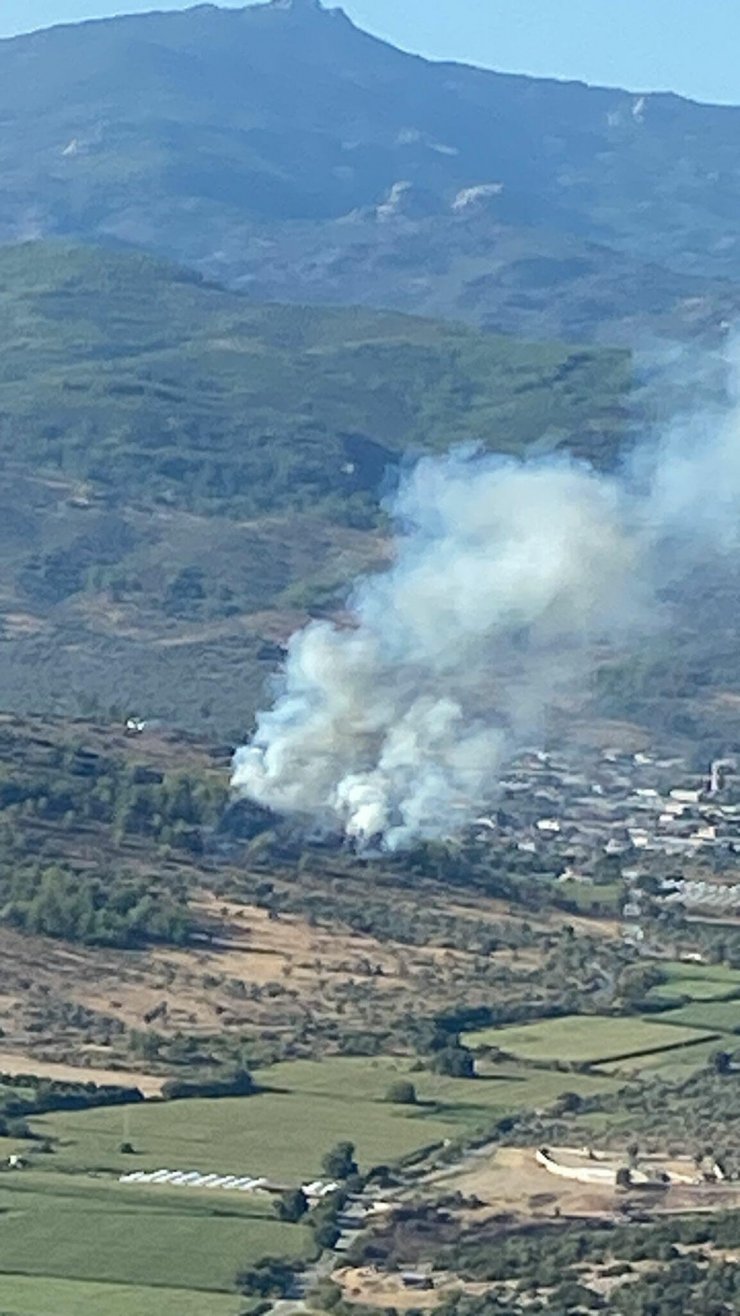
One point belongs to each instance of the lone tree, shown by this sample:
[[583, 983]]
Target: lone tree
[[291, 1206], [326, 1234], [402, 1093], [454, 1062], [270, 1277], [340, 1163]]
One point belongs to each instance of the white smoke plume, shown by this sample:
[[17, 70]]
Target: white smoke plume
[[506, 575], [396, 727]]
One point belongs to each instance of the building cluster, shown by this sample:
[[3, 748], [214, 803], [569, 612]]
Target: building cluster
[[573, 814]]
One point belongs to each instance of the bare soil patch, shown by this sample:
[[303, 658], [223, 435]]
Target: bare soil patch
[[511, 1180], [374, 1288]]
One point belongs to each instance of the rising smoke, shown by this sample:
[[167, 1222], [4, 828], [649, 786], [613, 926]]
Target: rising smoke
[[506, 575]]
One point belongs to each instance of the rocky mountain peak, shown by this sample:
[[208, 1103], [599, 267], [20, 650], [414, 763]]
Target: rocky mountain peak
[[298, 6]]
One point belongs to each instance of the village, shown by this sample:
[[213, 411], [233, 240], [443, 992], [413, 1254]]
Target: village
[[613, 814]]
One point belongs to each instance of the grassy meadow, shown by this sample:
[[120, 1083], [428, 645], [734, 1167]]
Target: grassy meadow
[[676, 1062], [698, 982], [720, 1016], [51, 1226], [587, 1039], [284, 1132], [603, 898], [32, 1295]]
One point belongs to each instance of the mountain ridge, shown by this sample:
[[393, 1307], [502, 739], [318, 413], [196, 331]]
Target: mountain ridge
[[313, 8], [230, 139]]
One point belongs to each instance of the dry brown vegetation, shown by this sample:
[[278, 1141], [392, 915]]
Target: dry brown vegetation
[[255, 973], [295, 953], [367, 1286]]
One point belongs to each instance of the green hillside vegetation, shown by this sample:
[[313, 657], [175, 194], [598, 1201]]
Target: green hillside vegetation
[[187, 474], [129, 372], [675, 1108]]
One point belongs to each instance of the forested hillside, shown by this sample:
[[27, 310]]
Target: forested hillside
[[139, 376], [186, 472]]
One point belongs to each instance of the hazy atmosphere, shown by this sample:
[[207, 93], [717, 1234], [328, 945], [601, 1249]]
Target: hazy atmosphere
[[370, 658]]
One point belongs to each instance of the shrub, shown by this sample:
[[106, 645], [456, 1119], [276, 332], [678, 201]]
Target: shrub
[[340, 1163], [454, 1062], [402, 1093], [291, 1206], [237, 1084], [270, 1277]]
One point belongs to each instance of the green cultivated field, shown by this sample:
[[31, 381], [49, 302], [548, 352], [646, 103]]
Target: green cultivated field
[[369, 1080], [27, 1295], [279, 1135], [53, 1227], [669, 1065], [586, 1038], [701, 982], [589, 899], [720, 1016], [74, 1240], [284, 1133]]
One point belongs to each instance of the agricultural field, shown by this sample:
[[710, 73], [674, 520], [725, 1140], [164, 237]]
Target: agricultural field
[[32, 1295], [720, 1016], [56, 1226], [699, 982], [283, 1133], [587, 1039], [673, 1065], [592, 898]]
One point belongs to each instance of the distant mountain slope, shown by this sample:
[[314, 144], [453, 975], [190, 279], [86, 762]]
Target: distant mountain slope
[[187, 474], [118, 368], [529, 282], [282, 146]]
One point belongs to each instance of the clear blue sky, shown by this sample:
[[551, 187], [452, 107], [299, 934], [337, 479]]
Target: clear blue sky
[[689, 46]]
